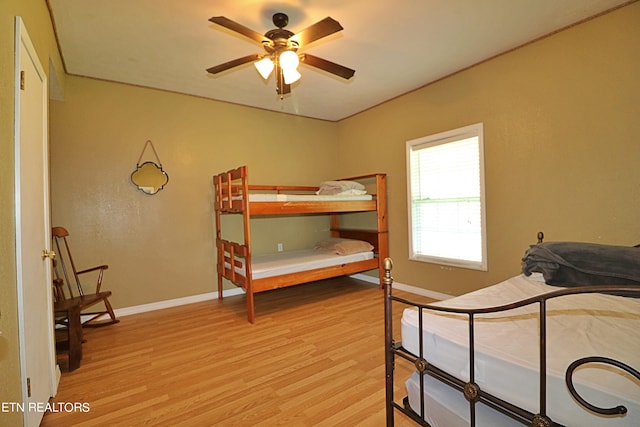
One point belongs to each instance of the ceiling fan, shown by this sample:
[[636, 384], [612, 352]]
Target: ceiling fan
[[281, 48]]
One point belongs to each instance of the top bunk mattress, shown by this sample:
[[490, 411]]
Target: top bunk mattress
[[260, 197], [506, 343]]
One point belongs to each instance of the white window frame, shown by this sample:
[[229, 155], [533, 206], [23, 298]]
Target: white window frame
[[455, 135]]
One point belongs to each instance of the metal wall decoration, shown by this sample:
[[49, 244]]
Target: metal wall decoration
[[149, 177]]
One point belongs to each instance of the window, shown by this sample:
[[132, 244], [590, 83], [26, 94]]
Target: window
[[445, 174]]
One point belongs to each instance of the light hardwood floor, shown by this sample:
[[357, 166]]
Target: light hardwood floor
[[314, 357]]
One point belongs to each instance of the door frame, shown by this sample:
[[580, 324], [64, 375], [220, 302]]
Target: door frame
[[22, 39]]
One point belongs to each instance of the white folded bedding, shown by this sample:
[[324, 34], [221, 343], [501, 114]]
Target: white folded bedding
[[507, 349]]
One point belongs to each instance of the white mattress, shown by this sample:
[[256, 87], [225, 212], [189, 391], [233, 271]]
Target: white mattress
[[507, 354], [259, 197], [280, 263]]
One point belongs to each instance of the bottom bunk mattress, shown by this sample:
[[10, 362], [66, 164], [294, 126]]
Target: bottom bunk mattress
[[507, 355], [281, 263]]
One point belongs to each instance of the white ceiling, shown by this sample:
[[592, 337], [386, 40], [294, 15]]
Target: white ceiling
[[394, 46]]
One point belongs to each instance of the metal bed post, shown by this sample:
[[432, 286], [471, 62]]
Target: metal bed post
[[388, 340]]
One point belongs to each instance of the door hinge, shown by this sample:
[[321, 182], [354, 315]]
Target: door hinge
[[21, 80], [28, 387]]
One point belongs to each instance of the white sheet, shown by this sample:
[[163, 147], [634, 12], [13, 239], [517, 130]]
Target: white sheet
[[280, 263], [259, 197], [507, 356]]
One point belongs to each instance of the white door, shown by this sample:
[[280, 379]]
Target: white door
[[33, 231]]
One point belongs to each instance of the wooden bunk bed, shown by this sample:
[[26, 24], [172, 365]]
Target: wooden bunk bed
[[234, 195], [556, 345]]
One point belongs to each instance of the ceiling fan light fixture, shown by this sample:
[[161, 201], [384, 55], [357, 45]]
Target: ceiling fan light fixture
[[264, 67], [290, 75], [289, 60]]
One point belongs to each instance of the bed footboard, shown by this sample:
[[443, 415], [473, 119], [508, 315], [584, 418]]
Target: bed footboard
[[232, 264], [472, 392]]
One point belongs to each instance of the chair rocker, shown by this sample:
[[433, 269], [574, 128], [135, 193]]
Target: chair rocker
[[66, 274]]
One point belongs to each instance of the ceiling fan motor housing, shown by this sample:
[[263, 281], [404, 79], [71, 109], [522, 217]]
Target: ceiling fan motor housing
[[279, 41]]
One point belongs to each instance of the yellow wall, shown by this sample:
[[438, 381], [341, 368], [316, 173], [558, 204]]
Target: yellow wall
[[560, 117], [162, 246], [561, 126], [561, 120], [36, 19]]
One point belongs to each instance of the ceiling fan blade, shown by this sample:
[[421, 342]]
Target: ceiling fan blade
[[328, 66], [317, 31], [236, 62], [238, 28]]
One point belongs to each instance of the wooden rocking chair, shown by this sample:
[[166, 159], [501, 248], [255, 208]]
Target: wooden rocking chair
[[67, 276]]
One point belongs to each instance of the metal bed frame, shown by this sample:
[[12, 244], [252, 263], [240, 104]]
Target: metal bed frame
[[472, 392]]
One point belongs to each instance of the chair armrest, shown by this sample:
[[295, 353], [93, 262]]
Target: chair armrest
[[101, 269]]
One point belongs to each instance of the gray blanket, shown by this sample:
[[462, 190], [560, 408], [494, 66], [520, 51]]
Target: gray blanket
[[581, 264]]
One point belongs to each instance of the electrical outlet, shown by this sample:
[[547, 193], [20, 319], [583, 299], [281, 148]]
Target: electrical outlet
[[280, 247]]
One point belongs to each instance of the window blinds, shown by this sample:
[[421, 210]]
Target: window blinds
[[446, 197]]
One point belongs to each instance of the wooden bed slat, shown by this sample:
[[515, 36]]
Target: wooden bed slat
[[290, 208], [282, 281]]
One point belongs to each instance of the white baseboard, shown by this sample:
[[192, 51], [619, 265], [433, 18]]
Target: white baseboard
[[407, 288], [143, 308]]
